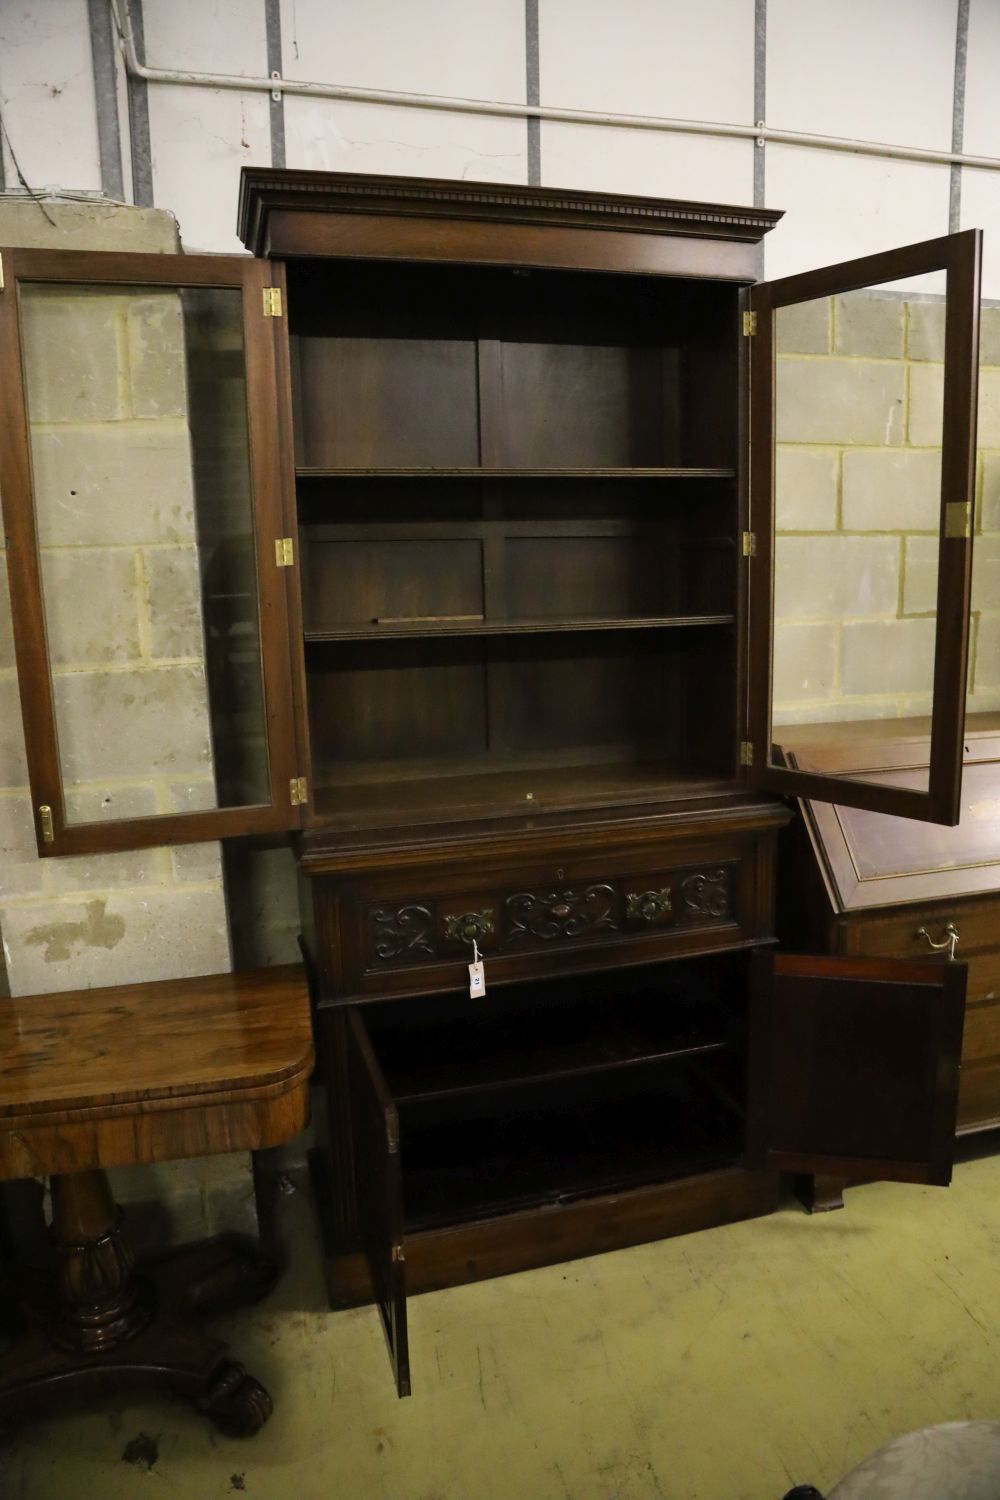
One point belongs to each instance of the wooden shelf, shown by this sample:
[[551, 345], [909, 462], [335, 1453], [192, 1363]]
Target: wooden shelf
[[674, 471], [514, 1048], [348, 796], [557, 1154], [418, 630]]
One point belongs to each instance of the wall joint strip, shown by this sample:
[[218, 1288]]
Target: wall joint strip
[[958, 116], [138, 118], [272, 22], [102, 52], [532, 94]]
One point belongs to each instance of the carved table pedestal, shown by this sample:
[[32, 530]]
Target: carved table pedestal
[[143, 1073]]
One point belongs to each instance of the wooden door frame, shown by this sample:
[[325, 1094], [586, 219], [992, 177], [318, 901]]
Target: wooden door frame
[[269, 462], [959, 255]]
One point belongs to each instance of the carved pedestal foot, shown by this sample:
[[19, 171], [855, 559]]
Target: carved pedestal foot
[[237, 1404], [820, 1194], [96, 1327]]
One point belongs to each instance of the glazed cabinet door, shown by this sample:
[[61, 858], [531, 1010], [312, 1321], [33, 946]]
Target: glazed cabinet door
[[863, 381], [375, 1127], [143, 475], [854, 1066]]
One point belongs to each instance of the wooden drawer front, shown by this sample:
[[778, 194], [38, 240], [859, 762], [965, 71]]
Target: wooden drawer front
[[978, 924], [539, 916], [979, 1097], [979, 1090], [981, 1040]]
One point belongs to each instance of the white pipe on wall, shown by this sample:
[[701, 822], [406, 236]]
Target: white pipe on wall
[[759, 133]]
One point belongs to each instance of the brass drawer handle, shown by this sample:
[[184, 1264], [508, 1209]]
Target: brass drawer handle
[[949, 941], [469, 926], [650, 906]]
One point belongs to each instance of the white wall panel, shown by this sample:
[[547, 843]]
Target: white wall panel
[[646, 57], [342, 136], [981, 210], [982, 81], [838, 206], [472, 48], [47, 94], [200, 138], [981, 190], [879, 70], [647, 162]]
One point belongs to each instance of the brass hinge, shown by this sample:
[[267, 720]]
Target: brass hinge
[[284, 551], [746, 753], [299, 791], [391, 1131], [272, 302], [749, 324], [749, 544], [47, 826], [958, 518]]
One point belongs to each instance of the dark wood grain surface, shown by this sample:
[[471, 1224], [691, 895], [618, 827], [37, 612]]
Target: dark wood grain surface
[[136, 1044]]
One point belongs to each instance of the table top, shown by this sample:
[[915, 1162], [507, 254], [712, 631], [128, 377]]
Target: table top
[[165, 1044]]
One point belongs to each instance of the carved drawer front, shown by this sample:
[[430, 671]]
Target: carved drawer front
[[542, 915]]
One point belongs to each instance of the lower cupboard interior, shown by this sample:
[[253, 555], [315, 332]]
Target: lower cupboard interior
[[550, 1092]]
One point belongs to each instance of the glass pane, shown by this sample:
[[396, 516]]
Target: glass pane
[[137, 408], [859, 411], [983, 698]]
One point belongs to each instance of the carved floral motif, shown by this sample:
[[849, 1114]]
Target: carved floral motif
[[402, 931], [706, 894], [560, 914], [648, 906]]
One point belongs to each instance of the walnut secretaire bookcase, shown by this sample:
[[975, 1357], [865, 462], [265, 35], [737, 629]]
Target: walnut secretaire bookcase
[[470, 587]]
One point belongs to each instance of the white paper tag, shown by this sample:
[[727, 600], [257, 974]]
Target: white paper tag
[[477, 973]]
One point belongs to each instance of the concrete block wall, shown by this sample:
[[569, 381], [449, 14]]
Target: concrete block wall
[[112, 459], [112, 466], [858, 494]]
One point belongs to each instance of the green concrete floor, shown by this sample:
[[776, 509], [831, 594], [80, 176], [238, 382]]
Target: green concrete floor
[[725, 1365]]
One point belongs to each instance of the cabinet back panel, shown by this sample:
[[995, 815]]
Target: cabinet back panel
[[584, 406], [566, 576], [574, 696], [386, 403], [567, 1146], [390, 708], [358, 582], [327, 500], [398, 702]]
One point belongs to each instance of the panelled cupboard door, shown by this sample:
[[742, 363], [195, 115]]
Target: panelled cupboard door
[[375, 1125], [862, 470], [854, 1066], [144, 475]]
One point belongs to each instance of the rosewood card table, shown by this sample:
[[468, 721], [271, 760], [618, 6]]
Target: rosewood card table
[[143, 1073]]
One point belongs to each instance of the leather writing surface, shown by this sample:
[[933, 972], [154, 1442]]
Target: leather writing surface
[[881, 845]]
